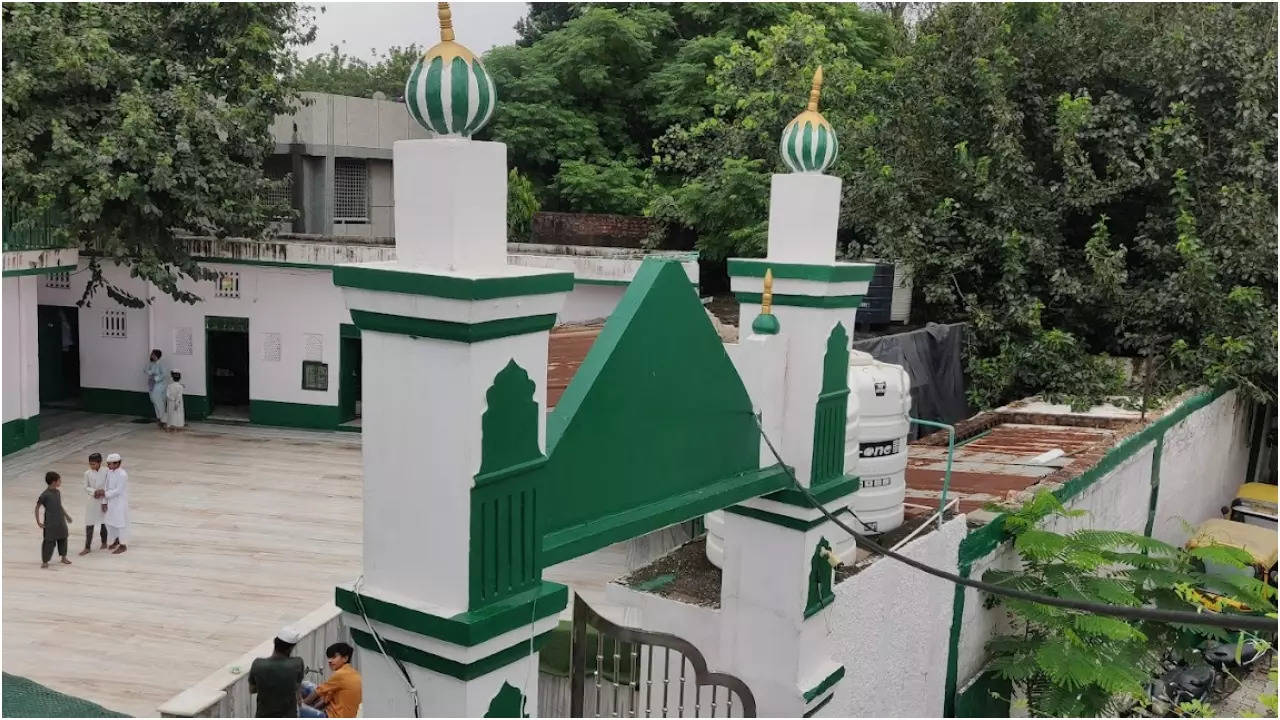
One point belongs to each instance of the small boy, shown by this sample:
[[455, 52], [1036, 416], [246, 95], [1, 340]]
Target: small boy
[[95, 486], [175, 411], [55, 520]]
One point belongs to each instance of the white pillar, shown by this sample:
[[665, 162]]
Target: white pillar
[[777, 582], [455, 361]]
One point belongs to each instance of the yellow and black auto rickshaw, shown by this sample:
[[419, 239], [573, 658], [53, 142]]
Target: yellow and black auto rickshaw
[[1255, 504]]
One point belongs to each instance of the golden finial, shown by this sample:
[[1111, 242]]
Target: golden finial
[[766, 300], [446, 22], [814, 91], [766, 323]]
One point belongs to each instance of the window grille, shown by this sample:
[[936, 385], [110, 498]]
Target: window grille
[[350, 190], [281, 195], [228, 285], [113, 324], [59, 280]]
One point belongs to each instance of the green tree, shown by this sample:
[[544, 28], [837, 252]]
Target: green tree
[[522, 205], [1073, 664], [341, 74], [134, 120], [1079, 181]]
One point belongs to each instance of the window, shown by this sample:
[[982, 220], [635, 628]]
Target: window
[[350, 190], [315, 375], [228, 285], [113, 325], [281, 195], [59, 280]]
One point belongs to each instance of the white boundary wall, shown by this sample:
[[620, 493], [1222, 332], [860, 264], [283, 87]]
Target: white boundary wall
[[1204, 458], [889, 624]]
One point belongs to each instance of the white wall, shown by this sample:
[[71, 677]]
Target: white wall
[[1204, 461], [21, 392], [590, 302], [890, 625], [289, 301], [293, 302]]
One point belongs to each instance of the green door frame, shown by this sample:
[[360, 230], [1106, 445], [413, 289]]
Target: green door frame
[[220, 323], [346, 373]]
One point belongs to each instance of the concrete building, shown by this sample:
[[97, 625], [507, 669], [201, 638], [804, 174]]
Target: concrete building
[[271, 341]]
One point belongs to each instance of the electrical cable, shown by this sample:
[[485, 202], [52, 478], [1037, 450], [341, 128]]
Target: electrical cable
[[377, 639], [1232, 621]]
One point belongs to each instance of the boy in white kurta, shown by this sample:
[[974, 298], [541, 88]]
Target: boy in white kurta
[[174, 408], [95, 486], [117, 496]]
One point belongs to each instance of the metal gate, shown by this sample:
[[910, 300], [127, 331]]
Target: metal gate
[[618, 671]]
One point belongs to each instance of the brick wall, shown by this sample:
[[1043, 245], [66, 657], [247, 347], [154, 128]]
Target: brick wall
[[554, 228]]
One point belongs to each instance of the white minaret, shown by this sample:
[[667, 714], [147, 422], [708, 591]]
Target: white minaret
[[455, 367], [777, 573]]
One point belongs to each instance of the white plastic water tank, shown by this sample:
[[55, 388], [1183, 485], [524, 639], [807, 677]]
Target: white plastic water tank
[[883, 393]]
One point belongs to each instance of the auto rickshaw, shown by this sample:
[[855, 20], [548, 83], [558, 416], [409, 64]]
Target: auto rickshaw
[[1258, 542], [1255, 504]]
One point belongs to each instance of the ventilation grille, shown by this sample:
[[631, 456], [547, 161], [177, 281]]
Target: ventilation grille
[[350, 190], [113, 324]]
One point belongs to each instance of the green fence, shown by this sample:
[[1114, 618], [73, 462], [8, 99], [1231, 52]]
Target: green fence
[[25, 230]]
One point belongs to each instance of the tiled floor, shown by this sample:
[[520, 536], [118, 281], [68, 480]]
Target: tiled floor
[[237, 530]]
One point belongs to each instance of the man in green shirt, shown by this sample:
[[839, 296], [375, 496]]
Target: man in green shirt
[[277, 680]]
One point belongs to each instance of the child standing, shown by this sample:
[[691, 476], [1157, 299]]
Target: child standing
[[95, 486], [55, 520], [175, 409]]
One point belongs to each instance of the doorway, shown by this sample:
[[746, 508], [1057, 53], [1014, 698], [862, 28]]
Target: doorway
[[58, 345], [349, 383], [227, 367]]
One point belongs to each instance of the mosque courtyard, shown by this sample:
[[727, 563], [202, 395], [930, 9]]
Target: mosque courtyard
[[235, 532]]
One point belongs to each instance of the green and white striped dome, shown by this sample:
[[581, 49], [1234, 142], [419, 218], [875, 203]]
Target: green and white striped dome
[[809, 142], [448, 91]]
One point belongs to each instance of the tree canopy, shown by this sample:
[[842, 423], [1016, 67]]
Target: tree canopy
[[132, 120]]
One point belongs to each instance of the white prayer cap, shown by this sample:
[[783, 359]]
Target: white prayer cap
[[113, 457], [289, 634]]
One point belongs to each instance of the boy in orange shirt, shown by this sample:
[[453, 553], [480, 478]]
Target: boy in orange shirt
[[342, 695]]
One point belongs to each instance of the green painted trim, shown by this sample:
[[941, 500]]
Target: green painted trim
[[841, 272], [20, 433], [117, 402], [1255, 443], [226, 323], [445, 286], [196, 407], [578, 540], [825, 685], [785, 521], [452, 331], [814, 710], [1155, 485], [469, 628], [296, 415], [976, 700], [452, 668], [953, 643], [818, 589], [825, 491], [52, 269], [983, 541], [809, 301], [348, 330]]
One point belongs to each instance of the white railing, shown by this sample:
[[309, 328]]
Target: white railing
[[225, 693]]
